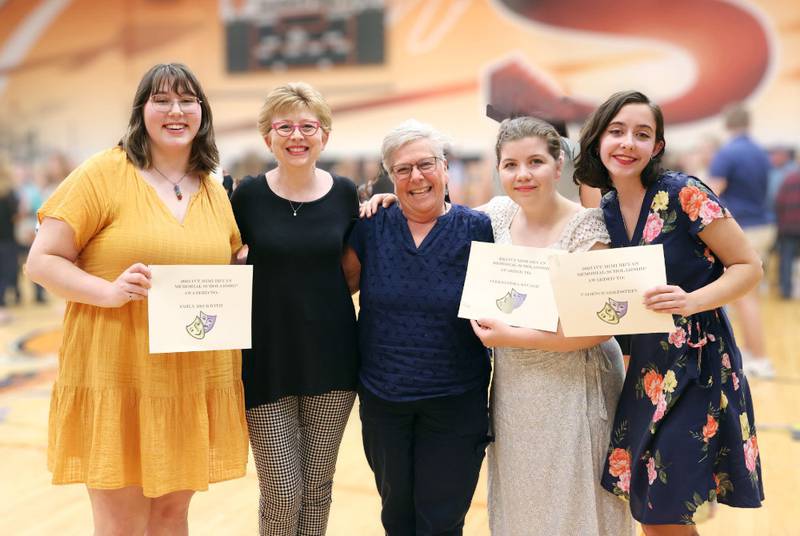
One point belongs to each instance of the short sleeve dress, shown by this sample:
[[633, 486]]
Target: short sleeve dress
[[684, 431], [551, 417], [120, 416]]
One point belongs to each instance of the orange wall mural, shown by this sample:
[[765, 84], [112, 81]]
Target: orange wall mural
[[68, 68]]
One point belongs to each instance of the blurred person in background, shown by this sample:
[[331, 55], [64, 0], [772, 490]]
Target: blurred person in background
[[57, 165], [696, 161], [142, 431], [300, 374], [9, 214], [783, 162], [30, 196], [787, 210], [377, 180], [739, 174], [477, 183]]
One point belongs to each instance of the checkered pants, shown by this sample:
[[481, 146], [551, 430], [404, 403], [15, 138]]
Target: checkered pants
[[295, 442]]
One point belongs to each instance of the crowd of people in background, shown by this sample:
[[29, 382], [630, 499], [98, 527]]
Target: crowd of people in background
[[24, 186], [472, 183]]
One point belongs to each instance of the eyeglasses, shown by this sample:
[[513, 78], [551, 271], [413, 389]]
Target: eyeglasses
[[287, 128], [188, 104], [426, 166]]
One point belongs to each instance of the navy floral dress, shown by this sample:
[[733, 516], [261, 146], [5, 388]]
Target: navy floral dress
[[684, 431]]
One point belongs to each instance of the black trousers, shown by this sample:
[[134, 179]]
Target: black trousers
[[426, 456]]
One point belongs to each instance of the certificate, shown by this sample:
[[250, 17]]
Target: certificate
[[510, 283], [601, 292], [194, 308]]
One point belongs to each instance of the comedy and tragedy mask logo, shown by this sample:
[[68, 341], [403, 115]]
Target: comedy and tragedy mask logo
[[512, 300], [201, 325], [612, 311]]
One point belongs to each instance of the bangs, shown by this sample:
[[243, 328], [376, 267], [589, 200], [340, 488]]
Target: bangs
[[289, 108], [172, 79]]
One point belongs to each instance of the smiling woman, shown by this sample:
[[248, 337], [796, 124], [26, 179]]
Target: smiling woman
[[139, 429], [579, 376], [300, 374], [692, 439], [424, 373]]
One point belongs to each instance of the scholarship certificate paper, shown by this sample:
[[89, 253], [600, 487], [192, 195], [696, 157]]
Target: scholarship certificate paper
[[193, 308], [601, 292], [510, 283]]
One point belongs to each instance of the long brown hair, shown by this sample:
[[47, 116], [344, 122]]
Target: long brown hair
[[589, 169], [177, 77]]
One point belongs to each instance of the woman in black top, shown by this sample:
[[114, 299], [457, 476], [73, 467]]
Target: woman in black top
[[300, 375]]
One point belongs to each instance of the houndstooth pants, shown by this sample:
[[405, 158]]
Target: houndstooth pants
[[295, 442]]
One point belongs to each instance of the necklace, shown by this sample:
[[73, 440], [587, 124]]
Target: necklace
[[294, 210], [175, 184]]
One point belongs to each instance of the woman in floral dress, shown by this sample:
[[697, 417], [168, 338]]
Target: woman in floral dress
[[684, 431]]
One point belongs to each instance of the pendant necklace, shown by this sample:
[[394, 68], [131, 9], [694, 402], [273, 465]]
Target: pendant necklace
[[294, 210], [175, 184]]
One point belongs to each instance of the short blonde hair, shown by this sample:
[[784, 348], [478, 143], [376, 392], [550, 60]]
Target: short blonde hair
[[290, 97]]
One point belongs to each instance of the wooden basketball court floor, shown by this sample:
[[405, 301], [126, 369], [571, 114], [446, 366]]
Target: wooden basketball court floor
[[30, 505]]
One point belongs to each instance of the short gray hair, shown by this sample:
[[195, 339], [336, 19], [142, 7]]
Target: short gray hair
[[410, 131]]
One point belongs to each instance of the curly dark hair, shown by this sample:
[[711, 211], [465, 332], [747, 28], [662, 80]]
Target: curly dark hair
[[177, 77], [589, 169]]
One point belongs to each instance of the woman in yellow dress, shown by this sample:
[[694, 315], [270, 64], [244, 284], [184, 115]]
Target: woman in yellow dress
[[142, 431]]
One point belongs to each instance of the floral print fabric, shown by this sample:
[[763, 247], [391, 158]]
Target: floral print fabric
[[684, 431]]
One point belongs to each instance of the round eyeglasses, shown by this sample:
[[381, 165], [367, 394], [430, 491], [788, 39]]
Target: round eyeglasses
[[426, 166], [287, 128], [188, 104]]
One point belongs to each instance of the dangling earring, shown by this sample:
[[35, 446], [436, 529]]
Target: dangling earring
[[446, 195]]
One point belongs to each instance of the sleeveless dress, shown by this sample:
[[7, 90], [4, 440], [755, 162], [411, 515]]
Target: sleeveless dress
[[684, 432], [120, 416], [551, 415]]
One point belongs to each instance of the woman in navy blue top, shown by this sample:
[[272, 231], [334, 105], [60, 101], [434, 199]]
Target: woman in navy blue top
[[684, 431], [424, 374]]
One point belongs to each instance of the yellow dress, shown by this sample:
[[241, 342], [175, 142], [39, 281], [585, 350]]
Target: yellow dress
[[120, 416]]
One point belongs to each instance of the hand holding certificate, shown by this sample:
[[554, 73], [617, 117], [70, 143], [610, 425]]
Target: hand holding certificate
[[510, 283], [601, 292], [199, 308]]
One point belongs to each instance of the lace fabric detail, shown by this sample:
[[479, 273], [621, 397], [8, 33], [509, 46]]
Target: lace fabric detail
[[582, 231]]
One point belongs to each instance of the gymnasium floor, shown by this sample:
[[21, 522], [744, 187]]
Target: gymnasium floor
[[30, 505]]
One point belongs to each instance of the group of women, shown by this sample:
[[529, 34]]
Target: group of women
[[145, 431]]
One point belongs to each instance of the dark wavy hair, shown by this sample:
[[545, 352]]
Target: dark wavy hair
[[589, 169], [177, 77]]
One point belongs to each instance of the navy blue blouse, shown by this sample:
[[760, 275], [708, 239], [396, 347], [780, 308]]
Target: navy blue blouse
[[412, 343]]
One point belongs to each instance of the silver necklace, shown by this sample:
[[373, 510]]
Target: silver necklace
[[175, 184], [294, 210]]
